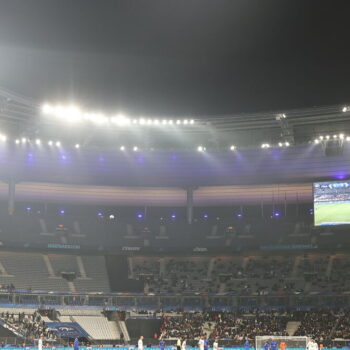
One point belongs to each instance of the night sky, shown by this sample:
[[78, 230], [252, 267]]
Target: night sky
[[177, 57]]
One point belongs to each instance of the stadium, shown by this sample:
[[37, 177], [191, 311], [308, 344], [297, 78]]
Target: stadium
[[165, 230]]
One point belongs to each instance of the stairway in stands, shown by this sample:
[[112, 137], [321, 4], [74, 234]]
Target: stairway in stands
[[208, 328], [292, 327]]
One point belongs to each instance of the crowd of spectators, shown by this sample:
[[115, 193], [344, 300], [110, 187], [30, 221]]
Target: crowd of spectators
[[143, 266], [236, 326], [30, 326], [317, 323], [179, 275], [7, 287], [186, 326], [342, 329], [257, 275]]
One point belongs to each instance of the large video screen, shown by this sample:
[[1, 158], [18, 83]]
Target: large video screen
[[332, 203]]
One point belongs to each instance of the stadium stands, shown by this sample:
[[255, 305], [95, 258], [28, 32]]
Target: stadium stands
[[243, 274], [98, 327], [228, 295], [38, 271]]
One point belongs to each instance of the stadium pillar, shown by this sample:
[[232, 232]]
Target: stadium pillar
[[189, 205], [11, 196]]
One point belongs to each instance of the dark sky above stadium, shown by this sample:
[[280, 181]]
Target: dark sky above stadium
[[177, 57]]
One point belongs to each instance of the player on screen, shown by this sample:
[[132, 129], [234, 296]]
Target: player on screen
[[273, 345], [206, 343], [266, 345], [312, 345], [246, 345], [216, 344], [183, 345], [178, 344], [162, 345], [282, 345], [140, 343], [76, 344], [201, 343]]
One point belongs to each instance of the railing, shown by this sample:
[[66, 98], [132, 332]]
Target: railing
[[186, 301], [168, 302]]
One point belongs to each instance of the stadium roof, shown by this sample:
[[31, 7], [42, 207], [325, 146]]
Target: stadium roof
[[23, 117]]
